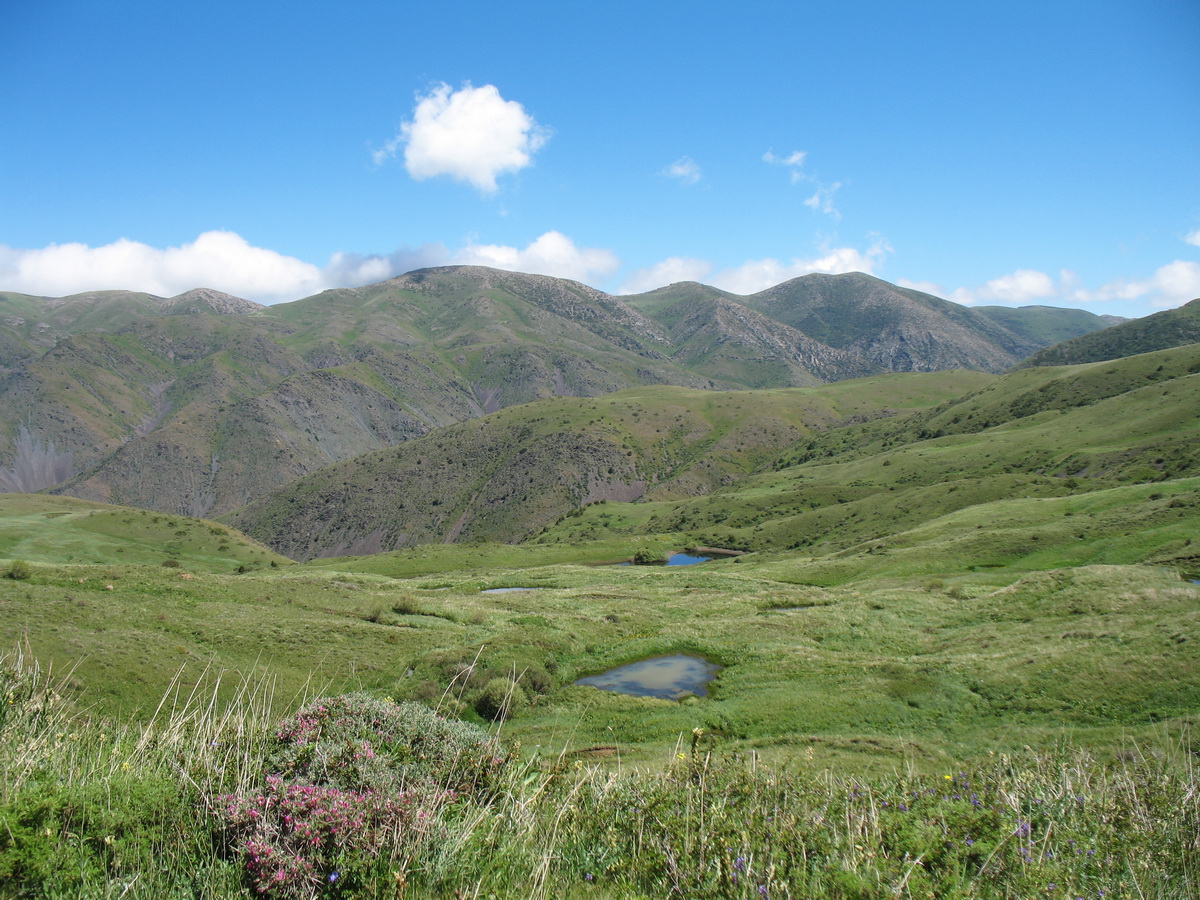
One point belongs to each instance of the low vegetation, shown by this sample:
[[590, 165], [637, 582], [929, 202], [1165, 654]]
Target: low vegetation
[[960, 658], [355, 797]]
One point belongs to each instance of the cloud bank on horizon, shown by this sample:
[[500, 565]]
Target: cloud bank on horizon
[[225, 261]]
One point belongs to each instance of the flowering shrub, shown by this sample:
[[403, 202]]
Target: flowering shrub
[[299, 839], [356, 741], [354, 782]]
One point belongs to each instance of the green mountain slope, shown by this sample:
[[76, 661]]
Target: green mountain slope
[[1170, 328], [899, 329], [201, 403], [1042, 325], [506, 476], [1038, 433], [715, 333]]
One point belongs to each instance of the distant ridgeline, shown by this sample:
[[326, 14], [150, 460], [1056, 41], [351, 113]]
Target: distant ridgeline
[[202, 403]]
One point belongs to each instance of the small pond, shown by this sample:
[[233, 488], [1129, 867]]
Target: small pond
[[665, 677], [675, 559], [507, 590]]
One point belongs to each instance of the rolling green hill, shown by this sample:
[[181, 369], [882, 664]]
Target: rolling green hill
[[939, 565], [506, 476], [45, 530], [1170, 328], [201, 403], [1035, 433]]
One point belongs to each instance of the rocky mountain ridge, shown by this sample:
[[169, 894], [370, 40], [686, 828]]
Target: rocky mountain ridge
[[200, 403]]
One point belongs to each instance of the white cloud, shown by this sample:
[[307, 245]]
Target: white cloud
[[822, 199], [685, 169], [793, 160], [1021, 286], [216, 259], [1171, 285], [758, 275], [551, 254], [1193, 238], [354, 269], [225, 261], [669, 271], [472, 135]]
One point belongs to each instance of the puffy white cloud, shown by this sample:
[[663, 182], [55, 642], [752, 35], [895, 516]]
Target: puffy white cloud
[[472, 135], [1193, 238], [758, 275], [355, 269], [216, 259], [1171, 285], [669, 271], [1021, 286], [685, 169], [551, 254], [225, 261]]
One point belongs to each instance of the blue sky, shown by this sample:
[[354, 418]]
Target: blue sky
[[1013, 153]]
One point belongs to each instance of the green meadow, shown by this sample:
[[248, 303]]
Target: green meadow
[[960, 652]]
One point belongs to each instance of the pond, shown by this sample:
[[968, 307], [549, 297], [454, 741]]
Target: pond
[[507, 590], [675, 559], [664, 677]]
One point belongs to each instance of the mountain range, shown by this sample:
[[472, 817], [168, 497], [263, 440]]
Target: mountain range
[[202, 403]]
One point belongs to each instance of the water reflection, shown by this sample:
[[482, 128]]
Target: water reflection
[[665, 677]]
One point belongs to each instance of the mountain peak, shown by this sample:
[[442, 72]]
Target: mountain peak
[[207, 300]]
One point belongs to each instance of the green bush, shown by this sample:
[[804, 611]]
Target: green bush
[[500, 698], [356, 741], [59, 839], [647, 558], [19, 570]]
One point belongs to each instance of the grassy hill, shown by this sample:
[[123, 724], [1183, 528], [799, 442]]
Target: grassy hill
[[1170, 328], [505, 476], [200, 403], [64, 531]]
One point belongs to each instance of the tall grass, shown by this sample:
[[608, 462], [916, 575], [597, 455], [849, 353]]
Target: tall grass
[[95, 808]]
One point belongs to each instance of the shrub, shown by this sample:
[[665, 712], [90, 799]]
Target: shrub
[[647, 558], [170, 564], [357, 742], [19, 570], [354, 781], [296, 839], [500, 698], [406, 606]]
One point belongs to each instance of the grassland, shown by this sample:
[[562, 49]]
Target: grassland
[[981, 610]]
